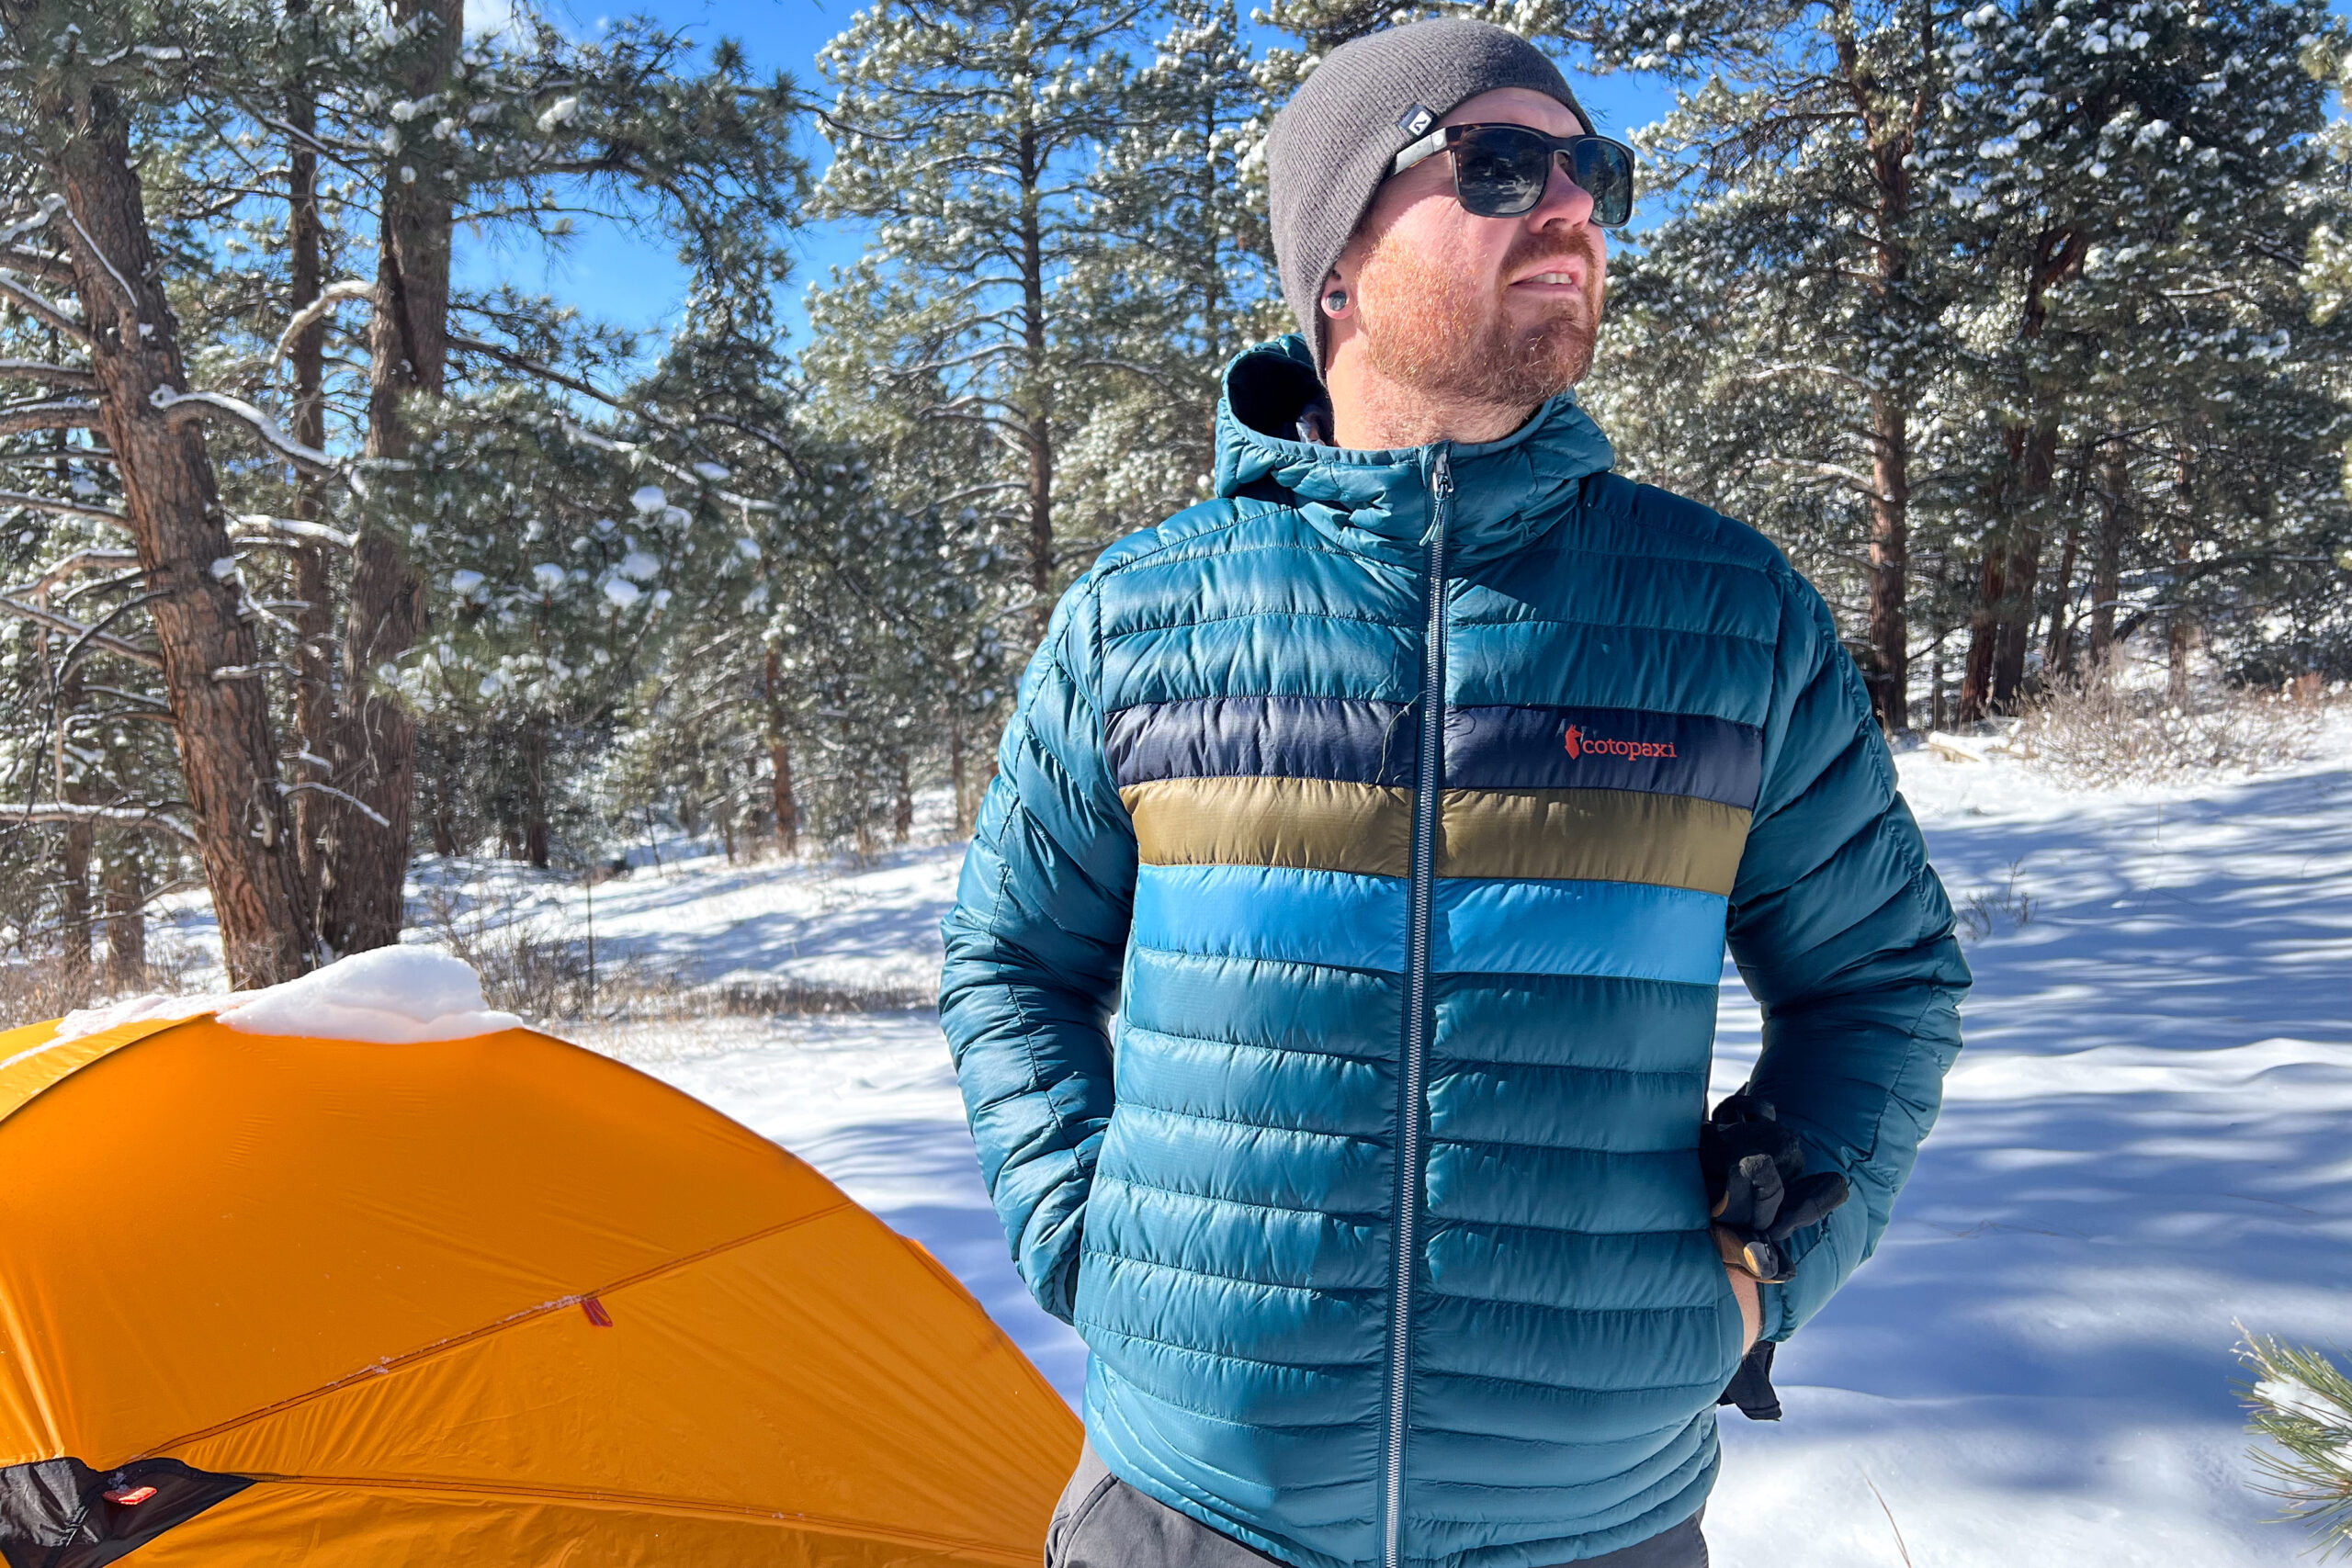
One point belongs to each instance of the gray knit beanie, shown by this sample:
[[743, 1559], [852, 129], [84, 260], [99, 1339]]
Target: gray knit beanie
[[1331, 145]]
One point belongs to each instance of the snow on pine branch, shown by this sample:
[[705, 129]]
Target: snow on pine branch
[[329, 297], [105, 816], [43, 615], [39, 371], [46, 210], [49, 312], [60, 504], [80, 560], [55, 413], [353, 801], [254, 527], [188, 405]]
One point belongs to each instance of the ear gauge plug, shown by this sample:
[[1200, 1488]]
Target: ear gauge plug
[[1335, 301]]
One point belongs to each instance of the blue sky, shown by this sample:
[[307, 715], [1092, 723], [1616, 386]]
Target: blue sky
[[609, 273]]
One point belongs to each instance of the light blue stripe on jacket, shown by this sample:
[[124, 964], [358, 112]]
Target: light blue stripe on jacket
[[1623, 930]]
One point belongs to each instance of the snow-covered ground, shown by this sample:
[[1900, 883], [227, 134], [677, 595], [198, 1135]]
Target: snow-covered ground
[[828, 922], [825, 923], [2147, 1141], [2144, 1144]]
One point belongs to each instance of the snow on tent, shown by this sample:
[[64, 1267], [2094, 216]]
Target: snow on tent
[[351, 1271]]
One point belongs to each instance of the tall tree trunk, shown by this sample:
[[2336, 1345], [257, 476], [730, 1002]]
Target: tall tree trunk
[[443, 823], [375, 748], [74, 915], [126, 896], [2058, 653], [2180, 629], [438, 778], [1977, 665], [957, 781], [2180, 622], [2001, 625], [219, 707], [1936, 687], [73, 857], [787, 813], [2013, 630], [903, 802], [1204, 193], [2106, 559], [1892, 138], [2014, 614], [1039, 425], [1890, 629], [313, 573], [535, 791]]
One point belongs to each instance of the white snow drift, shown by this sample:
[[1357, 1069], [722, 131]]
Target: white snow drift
[[394, 996]]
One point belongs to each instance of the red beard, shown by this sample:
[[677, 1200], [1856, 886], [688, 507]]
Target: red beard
[[1429, 327]]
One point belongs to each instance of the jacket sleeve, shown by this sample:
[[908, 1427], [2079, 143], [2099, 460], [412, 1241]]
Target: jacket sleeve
[[1843, 934], [1034, 943]]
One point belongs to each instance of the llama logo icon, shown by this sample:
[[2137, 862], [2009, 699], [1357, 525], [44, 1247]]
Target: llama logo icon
[[1580, 745]]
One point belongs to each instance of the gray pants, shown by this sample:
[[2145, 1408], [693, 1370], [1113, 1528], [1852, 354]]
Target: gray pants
[[1103, 1522]]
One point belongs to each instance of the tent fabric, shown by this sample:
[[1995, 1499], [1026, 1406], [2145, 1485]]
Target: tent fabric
[[487, 1301], [59, 1513]]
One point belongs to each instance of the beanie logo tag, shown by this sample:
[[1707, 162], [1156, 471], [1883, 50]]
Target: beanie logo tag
[[1415, 121]]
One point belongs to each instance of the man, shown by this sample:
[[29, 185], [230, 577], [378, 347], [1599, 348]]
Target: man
[[1400, 802]]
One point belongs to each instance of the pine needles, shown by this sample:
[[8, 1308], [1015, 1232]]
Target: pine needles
[[2302, 1402]]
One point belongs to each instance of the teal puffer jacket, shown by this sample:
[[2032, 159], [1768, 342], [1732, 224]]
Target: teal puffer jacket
[[1333, 976]]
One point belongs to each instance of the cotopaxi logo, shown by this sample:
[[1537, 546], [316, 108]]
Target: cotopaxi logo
[[1579, 743]]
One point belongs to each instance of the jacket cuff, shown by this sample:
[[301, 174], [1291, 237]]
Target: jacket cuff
[[1778, 1324], [1052, 1278]]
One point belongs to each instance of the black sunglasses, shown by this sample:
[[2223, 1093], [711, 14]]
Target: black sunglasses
[[1499, 171]]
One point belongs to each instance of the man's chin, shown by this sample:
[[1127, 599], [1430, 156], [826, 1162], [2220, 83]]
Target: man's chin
[[1545, 362]]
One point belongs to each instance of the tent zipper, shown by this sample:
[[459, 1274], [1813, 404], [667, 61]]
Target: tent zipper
[[1417, 984]]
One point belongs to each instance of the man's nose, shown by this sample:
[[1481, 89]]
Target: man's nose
[[1566, 203]]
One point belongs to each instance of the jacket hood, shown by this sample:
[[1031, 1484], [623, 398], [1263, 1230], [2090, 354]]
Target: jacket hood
[[1505, 492]]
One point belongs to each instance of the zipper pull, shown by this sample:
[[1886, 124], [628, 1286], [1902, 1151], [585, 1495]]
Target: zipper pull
[[1441, 497]]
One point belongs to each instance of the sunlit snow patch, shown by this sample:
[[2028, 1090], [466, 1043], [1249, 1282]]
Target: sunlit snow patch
[[138, 1010], [394, 996]]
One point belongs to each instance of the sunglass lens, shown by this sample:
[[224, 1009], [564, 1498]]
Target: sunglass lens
[[1499, 172], [1605, 170]]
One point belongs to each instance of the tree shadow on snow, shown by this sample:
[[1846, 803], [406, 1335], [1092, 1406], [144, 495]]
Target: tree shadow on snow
[[2144, 1138]]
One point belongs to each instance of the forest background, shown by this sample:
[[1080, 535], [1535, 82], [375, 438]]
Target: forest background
[[434, 428]]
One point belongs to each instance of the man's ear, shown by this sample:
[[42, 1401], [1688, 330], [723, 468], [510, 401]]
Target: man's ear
[[1338, 299], [1335, 318]]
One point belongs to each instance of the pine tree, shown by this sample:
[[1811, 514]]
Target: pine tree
[[319, 568], [1999, 317], [1182, 279], [81, 77], [966, 132], [2133, 176], [2300, 1402], [1779, 339]]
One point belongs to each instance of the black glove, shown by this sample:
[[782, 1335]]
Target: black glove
[[1751, 1386], [1757, 1188]]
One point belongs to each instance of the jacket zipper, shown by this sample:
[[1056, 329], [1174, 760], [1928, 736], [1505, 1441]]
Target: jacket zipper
[[1417, 982]]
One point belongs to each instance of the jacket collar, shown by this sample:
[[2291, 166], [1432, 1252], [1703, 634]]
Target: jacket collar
[[1505, 492]]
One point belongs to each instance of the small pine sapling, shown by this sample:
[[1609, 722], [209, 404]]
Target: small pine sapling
[[2301, 1401]]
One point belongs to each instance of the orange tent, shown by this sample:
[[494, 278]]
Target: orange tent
[[275, 1301]]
